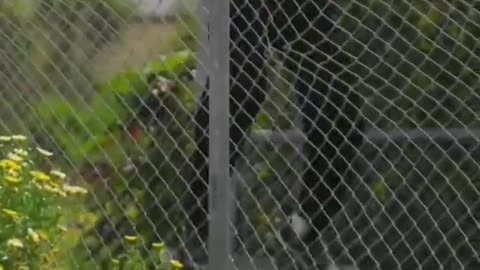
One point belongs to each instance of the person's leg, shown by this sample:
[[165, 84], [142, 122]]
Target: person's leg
[[330, 110]]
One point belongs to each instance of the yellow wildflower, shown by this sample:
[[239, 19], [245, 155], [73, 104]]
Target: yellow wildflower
[[5, 138], [158, 246], [176, 264], [38, 185], [54, 185], [9, 164], [58, 174], [11, 213], [13, 173], [21, 152], [44, 152], [15, 243], [14, 157], [33, 235], [42, 234], [74, 189], [131, 238], [19, 137], [55, 190], [40, 176], [12, 180], [62, 228]]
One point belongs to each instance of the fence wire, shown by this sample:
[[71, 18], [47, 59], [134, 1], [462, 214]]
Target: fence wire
[[354, 131]]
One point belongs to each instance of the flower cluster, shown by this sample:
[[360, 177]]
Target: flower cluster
[[157, 257], [34, 215], [31, 202]]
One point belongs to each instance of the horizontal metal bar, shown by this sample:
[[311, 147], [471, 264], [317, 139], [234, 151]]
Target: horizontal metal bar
[[374, 135]]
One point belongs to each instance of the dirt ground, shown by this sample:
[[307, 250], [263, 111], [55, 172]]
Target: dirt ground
[[137, 44]]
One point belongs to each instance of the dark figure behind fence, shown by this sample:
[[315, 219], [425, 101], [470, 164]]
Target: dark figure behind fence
[[329, 104]]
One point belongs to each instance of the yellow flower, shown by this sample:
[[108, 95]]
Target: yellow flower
[[15, 243], [33, 235], [9, 164], [54, 190], [44, 152], [19, 137], [54, 185], [14, 157], [176, 264], [13, 173], [58, 174], [42, 234], [11, 213], [131, 238], [40, 176], [12, 180], [62, 228], [5, 138], [21, 152], [38, 185], [74, 190], [158, 246]]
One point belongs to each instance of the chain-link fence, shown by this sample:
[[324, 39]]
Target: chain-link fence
[[352, 140]]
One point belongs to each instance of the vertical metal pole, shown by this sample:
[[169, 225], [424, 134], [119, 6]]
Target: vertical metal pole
[[220, 184]]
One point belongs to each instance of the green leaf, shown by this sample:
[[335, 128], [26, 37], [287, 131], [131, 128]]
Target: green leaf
[[124, 83], [380, 191], [173, 63]]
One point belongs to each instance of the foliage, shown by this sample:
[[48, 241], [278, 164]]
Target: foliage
[[157, 257], [35, 216], [46, 44], [90, 131], [416, 60], [41, 214], [88, 135]]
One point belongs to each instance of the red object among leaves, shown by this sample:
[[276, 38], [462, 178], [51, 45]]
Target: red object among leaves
[[135, 131]]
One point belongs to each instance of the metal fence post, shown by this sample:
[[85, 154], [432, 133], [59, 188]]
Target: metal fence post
[[220, 189]]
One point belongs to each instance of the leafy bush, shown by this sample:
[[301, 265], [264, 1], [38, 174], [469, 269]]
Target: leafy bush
[[85, 137], [85, 131], [157, 256], [40, 210]]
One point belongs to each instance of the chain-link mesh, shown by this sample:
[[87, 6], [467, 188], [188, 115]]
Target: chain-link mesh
[[354, 131]]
